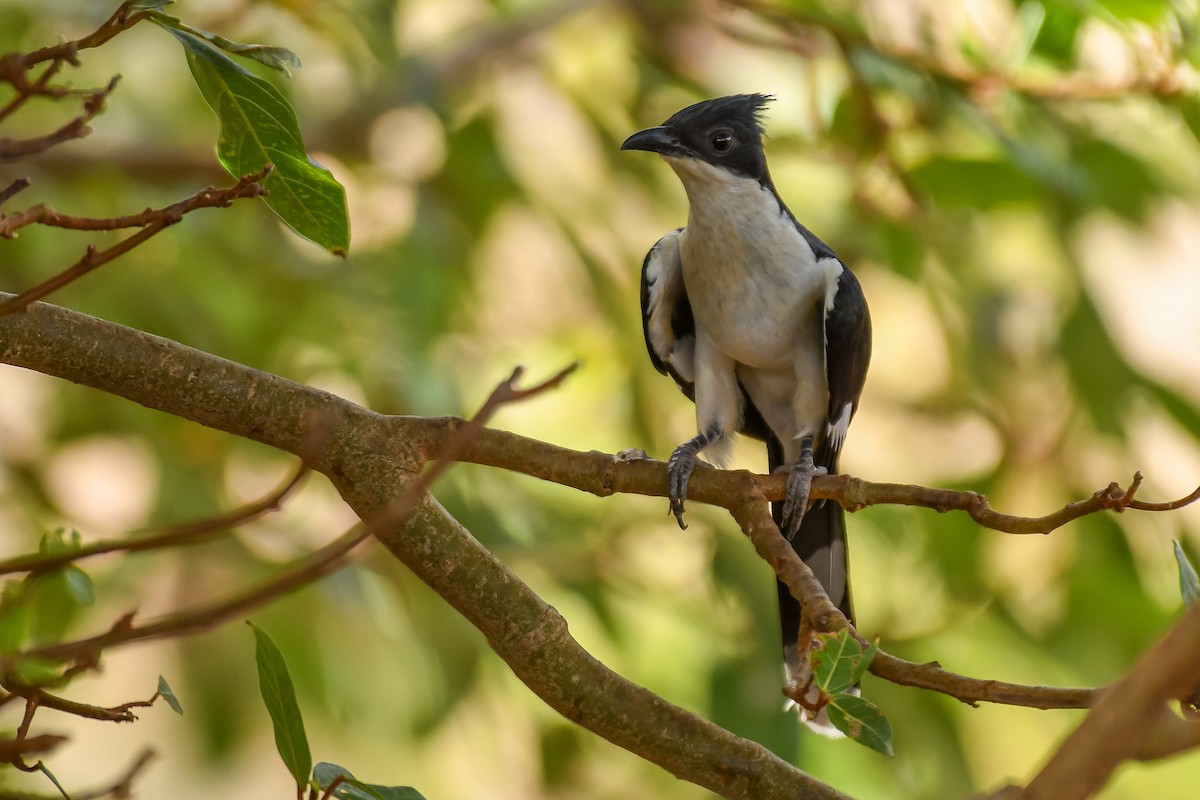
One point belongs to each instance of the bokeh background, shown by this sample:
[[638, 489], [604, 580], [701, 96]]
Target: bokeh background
[[1016, 183]]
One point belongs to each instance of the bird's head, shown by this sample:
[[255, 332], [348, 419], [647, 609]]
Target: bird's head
[[724, 133]]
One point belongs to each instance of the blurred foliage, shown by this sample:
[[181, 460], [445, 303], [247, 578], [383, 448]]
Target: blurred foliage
[[1015, 183]]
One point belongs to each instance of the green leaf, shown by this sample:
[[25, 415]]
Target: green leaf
[[58, 541], [838, 661], [275, 685], [1189, 584], [35, 671], [1118, 179], [149, 5], [46, 771], [259, 127], [862, 721], [1056, 38], [353, 789], [78, 586], [168, 694], [279, 58], [14, 616]]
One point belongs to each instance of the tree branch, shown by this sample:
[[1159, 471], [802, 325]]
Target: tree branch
[[1138, 708], [170, 536], [75, 128], [153, 222], [370, 457]]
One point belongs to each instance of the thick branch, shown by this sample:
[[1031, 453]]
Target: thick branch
[[1132, 720], [268, 409], [369, 457]]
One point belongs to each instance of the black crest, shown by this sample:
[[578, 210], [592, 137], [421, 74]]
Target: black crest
[[726, 132]]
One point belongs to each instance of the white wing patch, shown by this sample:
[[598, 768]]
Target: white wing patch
[[833, 270], [835, 430], [664, 284]]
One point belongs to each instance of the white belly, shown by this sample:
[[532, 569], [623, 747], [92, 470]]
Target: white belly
[[758, 290]]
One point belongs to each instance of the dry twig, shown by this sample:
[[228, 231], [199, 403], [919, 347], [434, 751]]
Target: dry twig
[[171, 536], [152, 222]]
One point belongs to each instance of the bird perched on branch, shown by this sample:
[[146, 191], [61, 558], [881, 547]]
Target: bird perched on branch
[[761, 325]]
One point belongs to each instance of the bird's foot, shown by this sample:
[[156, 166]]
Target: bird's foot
[[679, 469], [799, 486]]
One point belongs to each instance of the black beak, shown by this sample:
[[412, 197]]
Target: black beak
[[656, 140]]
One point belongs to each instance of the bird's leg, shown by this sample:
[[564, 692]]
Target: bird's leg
[[799, 486], [679, 469]]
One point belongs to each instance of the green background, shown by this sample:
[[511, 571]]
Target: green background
[[1028, 251]]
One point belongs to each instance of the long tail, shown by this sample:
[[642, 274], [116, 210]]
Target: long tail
[[821, 544]]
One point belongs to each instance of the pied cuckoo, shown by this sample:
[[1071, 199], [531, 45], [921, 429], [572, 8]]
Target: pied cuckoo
[[761, 325]]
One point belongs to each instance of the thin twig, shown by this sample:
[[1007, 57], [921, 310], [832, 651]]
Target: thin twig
[[16, 749], [76, 128], [305, 570], [753, 517], [171, 536], [854, 494], [121, 788], [302, 572], [20, 184], [248, 186], [121, 20], [43, 699]]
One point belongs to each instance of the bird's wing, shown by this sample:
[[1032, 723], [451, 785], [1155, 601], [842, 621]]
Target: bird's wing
[[667, 321], [847, 353], [670, 328]]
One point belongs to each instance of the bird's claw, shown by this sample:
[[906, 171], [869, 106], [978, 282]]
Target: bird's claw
[[799, 486], [679, 468]]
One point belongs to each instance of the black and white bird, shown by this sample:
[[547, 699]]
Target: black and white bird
[[761, 325]]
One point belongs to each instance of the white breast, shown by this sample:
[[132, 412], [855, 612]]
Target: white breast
[[758, 289]]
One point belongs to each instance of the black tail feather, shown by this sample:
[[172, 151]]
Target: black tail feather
[[821, 544]]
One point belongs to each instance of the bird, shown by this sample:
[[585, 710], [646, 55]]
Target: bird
[[763, 327]]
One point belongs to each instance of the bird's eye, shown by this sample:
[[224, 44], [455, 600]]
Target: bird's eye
[[722, 141]]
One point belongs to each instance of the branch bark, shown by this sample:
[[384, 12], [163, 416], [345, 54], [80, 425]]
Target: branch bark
[[1139, 707], [371, 458]]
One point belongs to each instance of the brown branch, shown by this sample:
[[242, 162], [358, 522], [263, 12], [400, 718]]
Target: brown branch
[[40, 698], [1133, 720], [171, 536], [16, 749], [248, 186], [123, 786], [305, 570], [19, 185], [369, 456], [755, 520], [300, 573], [76, 128], [14, 70], [121, 20], [854, 494]]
